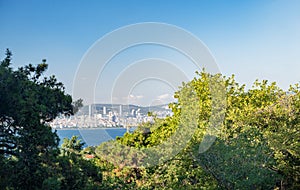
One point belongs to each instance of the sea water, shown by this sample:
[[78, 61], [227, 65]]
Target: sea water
[[91, 137]]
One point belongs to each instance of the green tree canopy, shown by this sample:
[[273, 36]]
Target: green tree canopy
[[256, 145], [27, 102]]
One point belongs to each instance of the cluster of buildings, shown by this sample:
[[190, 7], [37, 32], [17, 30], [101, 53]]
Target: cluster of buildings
[[105, 115]]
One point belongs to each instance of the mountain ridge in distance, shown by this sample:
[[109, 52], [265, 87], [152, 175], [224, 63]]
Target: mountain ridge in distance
[[125, 109]]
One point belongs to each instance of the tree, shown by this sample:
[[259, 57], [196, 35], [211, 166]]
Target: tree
[[256, 146], [181, 171], [77, 105], [72, 146], [28, 147], [75, 171]]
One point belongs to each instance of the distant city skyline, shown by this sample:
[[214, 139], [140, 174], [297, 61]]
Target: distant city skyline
[[251, 39], [106, 115]]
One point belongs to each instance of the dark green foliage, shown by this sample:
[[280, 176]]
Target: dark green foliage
[[29, 153], [77, 105], [27, 143], [240, 164], [76, 171]]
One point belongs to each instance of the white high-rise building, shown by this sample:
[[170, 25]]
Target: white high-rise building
[[104, 110], [90, 110], [120, 112]]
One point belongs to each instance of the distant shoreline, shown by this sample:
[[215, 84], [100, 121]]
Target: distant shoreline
[[80, 128]]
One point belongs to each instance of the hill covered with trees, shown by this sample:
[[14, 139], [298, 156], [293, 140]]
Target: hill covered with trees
[[255, 141]]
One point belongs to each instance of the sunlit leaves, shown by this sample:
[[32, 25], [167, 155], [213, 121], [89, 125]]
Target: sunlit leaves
[[257, 137]]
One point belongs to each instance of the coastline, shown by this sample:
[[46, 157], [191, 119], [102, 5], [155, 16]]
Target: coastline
[[87, 128]]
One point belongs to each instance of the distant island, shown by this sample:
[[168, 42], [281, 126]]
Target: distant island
[[111, 115]]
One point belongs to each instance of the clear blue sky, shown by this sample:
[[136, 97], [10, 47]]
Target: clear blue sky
[[251, 39]]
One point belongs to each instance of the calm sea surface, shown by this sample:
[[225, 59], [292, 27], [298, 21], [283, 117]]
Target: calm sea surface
[[92, 137]]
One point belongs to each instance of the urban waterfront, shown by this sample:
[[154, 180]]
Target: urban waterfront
[[98, 123], [111, 116]]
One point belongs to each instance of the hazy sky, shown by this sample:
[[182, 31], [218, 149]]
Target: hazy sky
[[251, 39]]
